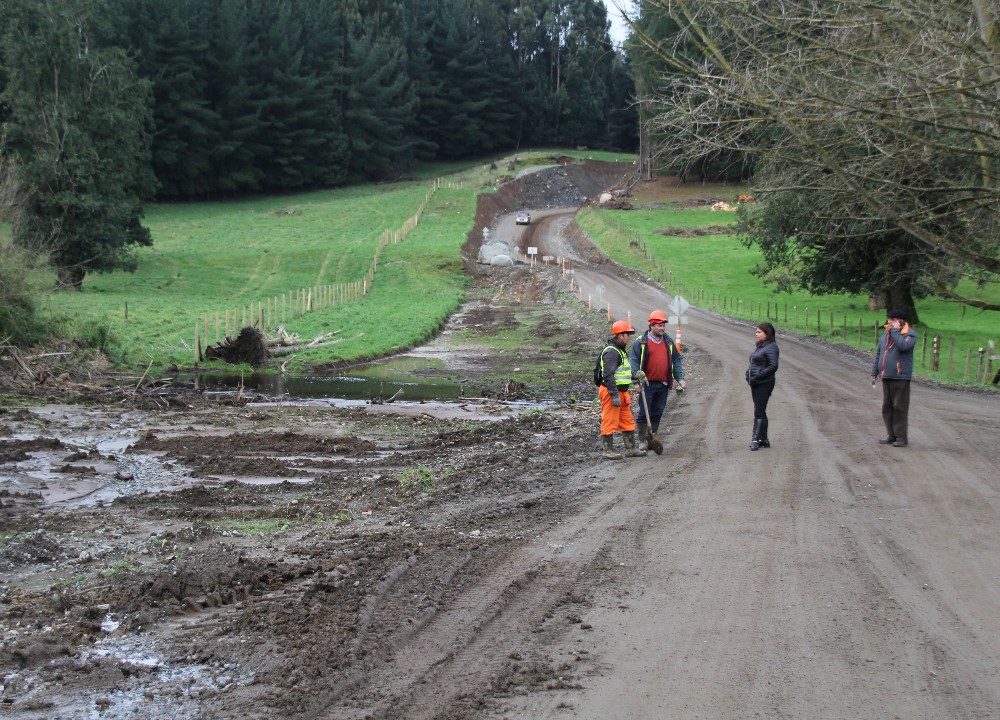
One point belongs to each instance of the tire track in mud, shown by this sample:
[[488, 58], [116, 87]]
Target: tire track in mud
[[452, 663], [453, 660], [944, 651], [798, 555]]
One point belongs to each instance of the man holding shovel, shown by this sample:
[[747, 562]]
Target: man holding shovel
[[615, 377], [655, 356]]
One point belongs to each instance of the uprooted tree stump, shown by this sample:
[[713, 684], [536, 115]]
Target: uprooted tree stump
[[248, 347]]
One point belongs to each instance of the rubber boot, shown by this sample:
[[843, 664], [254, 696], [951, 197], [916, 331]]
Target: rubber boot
[[755, 438], [630, 449], [764, 442], [641, 434], [608, 441]]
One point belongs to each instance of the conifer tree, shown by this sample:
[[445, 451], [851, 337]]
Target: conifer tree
[[79, 123]]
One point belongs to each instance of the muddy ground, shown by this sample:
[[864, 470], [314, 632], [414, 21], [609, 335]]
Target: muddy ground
[[263, 556], [478, 559]]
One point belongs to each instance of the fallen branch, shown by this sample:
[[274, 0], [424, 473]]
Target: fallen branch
[[290, 349], [17, 357], [320, 338], [45, 355], [136, 388]]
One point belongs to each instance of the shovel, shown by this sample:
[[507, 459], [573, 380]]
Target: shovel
[[654, 444]]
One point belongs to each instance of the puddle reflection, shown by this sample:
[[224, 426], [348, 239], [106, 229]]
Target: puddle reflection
[[381, 379]]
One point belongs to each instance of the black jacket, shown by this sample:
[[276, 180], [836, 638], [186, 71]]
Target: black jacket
[[763, 363]]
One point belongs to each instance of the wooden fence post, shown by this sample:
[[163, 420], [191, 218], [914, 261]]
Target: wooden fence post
[[990, 354]]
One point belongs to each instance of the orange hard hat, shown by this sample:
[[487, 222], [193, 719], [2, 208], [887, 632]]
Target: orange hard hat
[[657, 316], [621, 326]]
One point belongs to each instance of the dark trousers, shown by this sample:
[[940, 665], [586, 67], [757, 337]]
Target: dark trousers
[[895, 407], [761, 394], [656, 396]]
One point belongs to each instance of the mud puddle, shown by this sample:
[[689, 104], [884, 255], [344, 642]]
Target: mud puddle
[[73, 457], [157, 683], [413, 376]]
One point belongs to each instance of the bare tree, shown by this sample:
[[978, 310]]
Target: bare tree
[[892, 105]]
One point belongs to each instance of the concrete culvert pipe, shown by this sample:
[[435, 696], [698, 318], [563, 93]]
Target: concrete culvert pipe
[[488, 251]]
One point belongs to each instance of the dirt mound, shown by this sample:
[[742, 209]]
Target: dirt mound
[[696, 231], [249, 347], [554, 187]]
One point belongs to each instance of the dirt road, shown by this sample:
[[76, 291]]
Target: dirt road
[[826, 577], [303, 561]]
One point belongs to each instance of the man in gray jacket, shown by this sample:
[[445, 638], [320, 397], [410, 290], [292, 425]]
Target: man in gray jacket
[[894, 365]]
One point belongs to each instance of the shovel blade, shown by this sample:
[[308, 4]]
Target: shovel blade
[[654, 444]]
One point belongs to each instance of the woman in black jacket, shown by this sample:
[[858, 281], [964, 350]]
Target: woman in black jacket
[[760, 377]]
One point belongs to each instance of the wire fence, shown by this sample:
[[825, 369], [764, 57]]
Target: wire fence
[[271, 312], [938, 355]]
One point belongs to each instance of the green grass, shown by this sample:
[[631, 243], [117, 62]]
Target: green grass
[[210, 258], [119, 568], [714, 271], [419, 476], [214, 259], [255, 528]]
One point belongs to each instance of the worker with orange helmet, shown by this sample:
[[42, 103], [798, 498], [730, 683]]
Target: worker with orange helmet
[[614, 375], [655, 356]]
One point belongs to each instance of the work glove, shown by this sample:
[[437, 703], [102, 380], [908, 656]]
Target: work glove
[[616, 400], [640, 377]]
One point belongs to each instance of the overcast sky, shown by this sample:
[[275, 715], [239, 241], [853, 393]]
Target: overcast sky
[[618, 27]]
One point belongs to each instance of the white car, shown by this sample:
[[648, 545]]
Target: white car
[[523, 218]]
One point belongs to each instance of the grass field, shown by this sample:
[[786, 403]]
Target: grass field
[[210, 259], [242, 257], [714, 271]]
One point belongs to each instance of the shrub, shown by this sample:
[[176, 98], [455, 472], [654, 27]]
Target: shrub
[[20, 323]]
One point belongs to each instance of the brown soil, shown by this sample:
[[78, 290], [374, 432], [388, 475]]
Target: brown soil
[[479, 560], [696, 232]]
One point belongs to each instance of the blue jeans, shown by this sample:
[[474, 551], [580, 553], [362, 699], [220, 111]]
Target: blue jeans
[[656, 396]]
